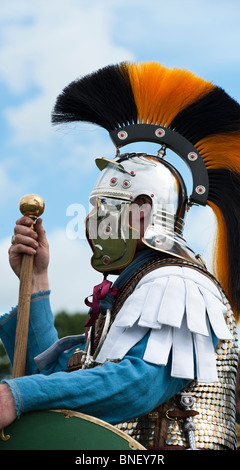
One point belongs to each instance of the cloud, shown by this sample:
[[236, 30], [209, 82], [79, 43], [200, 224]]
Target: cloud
[[9, 188], [185, 32], [44, 47]]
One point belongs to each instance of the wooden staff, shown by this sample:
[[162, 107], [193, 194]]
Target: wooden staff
[[31, 206]]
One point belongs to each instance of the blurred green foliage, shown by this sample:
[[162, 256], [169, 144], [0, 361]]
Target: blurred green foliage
[[69, 324], [65, 323]]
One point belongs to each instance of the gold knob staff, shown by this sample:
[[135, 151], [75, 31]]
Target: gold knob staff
[[31, 206]]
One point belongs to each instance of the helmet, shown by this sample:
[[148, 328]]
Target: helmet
[[200, 122], [121, 182]]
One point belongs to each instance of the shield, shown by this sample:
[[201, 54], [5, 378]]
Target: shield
[[65, 430]]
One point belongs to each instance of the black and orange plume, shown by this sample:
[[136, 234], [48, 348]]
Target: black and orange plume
[[149, 93]]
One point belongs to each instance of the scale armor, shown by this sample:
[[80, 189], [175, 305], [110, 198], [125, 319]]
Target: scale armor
[[215, 427]]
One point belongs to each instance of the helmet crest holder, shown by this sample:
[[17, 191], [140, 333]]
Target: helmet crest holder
[[175, 142]]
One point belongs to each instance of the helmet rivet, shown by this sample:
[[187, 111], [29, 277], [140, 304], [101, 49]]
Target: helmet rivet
[[159, 132], [113, 181], [192, 156], [122, 135], [126, 184], [106, 259], [200, 189]]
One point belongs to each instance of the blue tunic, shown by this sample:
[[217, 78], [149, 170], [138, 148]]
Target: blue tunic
[[114, 392]]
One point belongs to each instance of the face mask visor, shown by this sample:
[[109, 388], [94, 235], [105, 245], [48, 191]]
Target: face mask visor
[[110, 235]]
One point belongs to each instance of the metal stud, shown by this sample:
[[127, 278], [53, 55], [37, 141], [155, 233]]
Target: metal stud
[[160, 132], [108, 230], [200, 189], [192, 156], [113, 181], [126, 184], [122, 135]]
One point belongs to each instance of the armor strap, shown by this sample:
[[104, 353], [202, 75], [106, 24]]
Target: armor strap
[[161, 416]]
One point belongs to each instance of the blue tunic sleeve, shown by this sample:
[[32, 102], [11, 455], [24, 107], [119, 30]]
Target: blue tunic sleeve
[[113, 392], [41, 334]]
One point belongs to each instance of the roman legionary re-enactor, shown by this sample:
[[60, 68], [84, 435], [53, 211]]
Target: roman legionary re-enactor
[[160, 357]]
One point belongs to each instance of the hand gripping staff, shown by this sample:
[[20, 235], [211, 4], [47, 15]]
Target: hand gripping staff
[[31, 206]]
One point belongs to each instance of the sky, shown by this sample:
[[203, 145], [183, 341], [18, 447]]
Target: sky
[[44, 45]]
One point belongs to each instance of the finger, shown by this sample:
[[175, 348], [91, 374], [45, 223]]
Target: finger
[[42, 239], [25, 230], [24, 221], [21, 249], [25, 240]]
